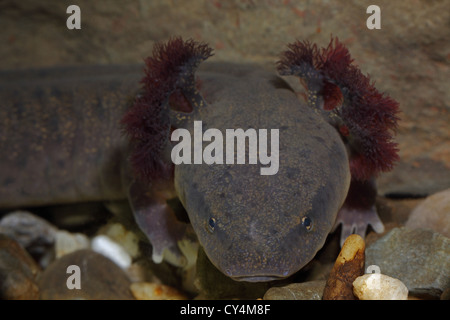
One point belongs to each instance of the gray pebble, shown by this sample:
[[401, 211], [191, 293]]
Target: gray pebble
[[33, 233], [420, 258], [311, 290]]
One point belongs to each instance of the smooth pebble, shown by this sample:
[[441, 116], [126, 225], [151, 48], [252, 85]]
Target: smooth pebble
[[126, 238], [66, 242], [377, 286], [433, 213], [112, 250], [98, 278], [155, 291]]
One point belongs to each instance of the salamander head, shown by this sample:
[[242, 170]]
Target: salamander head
[[264, 227], [262, 242]]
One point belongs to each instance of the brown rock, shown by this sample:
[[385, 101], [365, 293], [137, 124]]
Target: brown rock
[[348, 266], [18, 272], [257, 31], [446, 294], [433, 213], [155, 291], [100, 278]]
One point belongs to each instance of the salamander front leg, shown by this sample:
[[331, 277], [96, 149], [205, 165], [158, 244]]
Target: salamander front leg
[[365, 118], [358, 211], [158, 221]]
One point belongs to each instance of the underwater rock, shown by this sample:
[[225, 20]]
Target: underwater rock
[[420, 258], [18, 272], [112, 250], [119, 234], [98, 278], [311, 290], [66, 242], [379, 287], [33, 233], [446, 294], [433, 213], [155, 291], [348, 266]]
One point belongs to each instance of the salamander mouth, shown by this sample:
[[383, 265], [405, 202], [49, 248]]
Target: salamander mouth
[[258, 278]]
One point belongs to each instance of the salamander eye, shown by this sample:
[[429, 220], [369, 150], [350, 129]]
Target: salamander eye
[[307, 223], [211, 224]]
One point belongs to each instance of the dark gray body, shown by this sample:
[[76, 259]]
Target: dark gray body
[[60, 140]]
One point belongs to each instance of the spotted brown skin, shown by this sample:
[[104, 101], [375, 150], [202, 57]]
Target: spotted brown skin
[[60, 139]]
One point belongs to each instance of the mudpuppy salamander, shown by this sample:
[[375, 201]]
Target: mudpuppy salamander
[[252, 226]]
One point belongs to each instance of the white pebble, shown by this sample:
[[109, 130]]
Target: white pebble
[[126, 238], [66, 242], [155, 291], [376, 286], [112, 250]]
